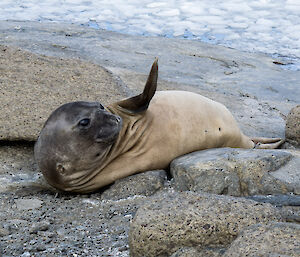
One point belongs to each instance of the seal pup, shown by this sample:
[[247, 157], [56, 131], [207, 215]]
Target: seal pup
[[84, 146]]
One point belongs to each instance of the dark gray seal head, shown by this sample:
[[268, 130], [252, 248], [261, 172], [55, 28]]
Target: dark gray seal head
[[74, 142]]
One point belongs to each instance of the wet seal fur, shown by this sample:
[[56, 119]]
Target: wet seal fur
[[84, 146]]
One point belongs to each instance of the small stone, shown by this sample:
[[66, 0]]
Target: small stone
[[41, 226], [28, 204], [123, 248], [26, 254], [40, 248]]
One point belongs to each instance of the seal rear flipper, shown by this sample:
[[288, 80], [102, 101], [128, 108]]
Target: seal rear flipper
[[140, 103], [267, 143]]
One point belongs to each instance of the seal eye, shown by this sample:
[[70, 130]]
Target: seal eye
[[84, 122]]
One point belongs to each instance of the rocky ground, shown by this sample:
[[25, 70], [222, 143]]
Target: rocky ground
[[219, 202]]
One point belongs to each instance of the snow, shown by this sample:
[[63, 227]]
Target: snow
[[269, 26]]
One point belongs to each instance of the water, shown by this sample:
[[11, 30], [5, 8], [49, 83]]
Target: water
[[269, 26]]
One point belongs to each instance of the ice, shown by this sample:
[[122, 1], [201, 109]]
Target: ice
[[171, 12], [256, 25], [265, 22], [236, 6], [157, 4], [238, 25]]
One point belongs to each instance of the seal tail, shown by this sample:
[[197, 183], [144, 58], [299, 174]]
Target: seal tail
[[267, 143]]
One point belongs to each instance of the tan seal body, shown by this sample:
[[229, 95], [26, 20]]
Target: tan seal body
[[176, 123], [154, 131]]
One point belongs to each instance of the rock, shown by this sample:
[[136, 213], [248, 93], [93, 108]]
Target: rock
[[18, 170], [186, 252], [173, 220], [278, 200], [32, 86], [292, 128], [193, 252], [28, 204], [274, 239], [238, 172], [40, 226], [146, 183], [40, 248], [4, 232]]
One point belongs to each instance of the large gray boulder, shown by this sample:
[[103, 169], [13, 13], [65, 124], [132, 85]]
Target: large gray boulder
[[292, 128], [238, 172], [274, 239], [32, 86], [170, 221]]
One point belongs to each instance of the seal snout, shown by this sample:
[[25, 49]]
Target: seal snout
[[109, 129], [116, 120]]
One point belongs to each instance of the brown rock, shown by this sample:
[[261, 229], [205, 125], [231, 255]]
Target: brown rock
[[292, 128], [32, 86], [193, 252], [170, 221]]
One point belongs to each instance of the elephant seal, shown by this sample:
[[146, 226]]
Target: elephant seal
[[84, 146]]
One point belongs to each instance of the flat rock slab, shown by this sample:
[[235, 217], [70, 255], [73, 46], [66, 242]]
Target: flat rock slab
[[172, 220], [32, 86], [238, 172], [274, 239], [145, 184]]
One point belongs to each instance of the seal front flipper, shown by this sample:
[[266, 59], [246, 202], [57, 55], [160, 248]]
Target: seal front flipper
[[140, 103]]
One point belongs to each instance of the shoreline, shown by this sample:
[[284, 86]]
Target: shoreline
[[258, 92]]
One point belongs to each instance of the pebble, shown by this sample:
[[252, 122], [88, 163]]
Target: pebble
[[41, 226], [28, 204]]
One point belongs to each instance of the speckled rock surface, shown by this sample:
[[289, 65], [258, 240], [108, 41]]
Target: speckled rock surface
[[274, 239], [146, 184], [32, 86], [193, 252], [238, 172], [170, 221], [292, 128]]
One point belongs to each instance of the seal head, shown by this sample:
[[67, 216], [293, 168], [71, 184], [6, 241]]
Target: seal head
[[74, 142]]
